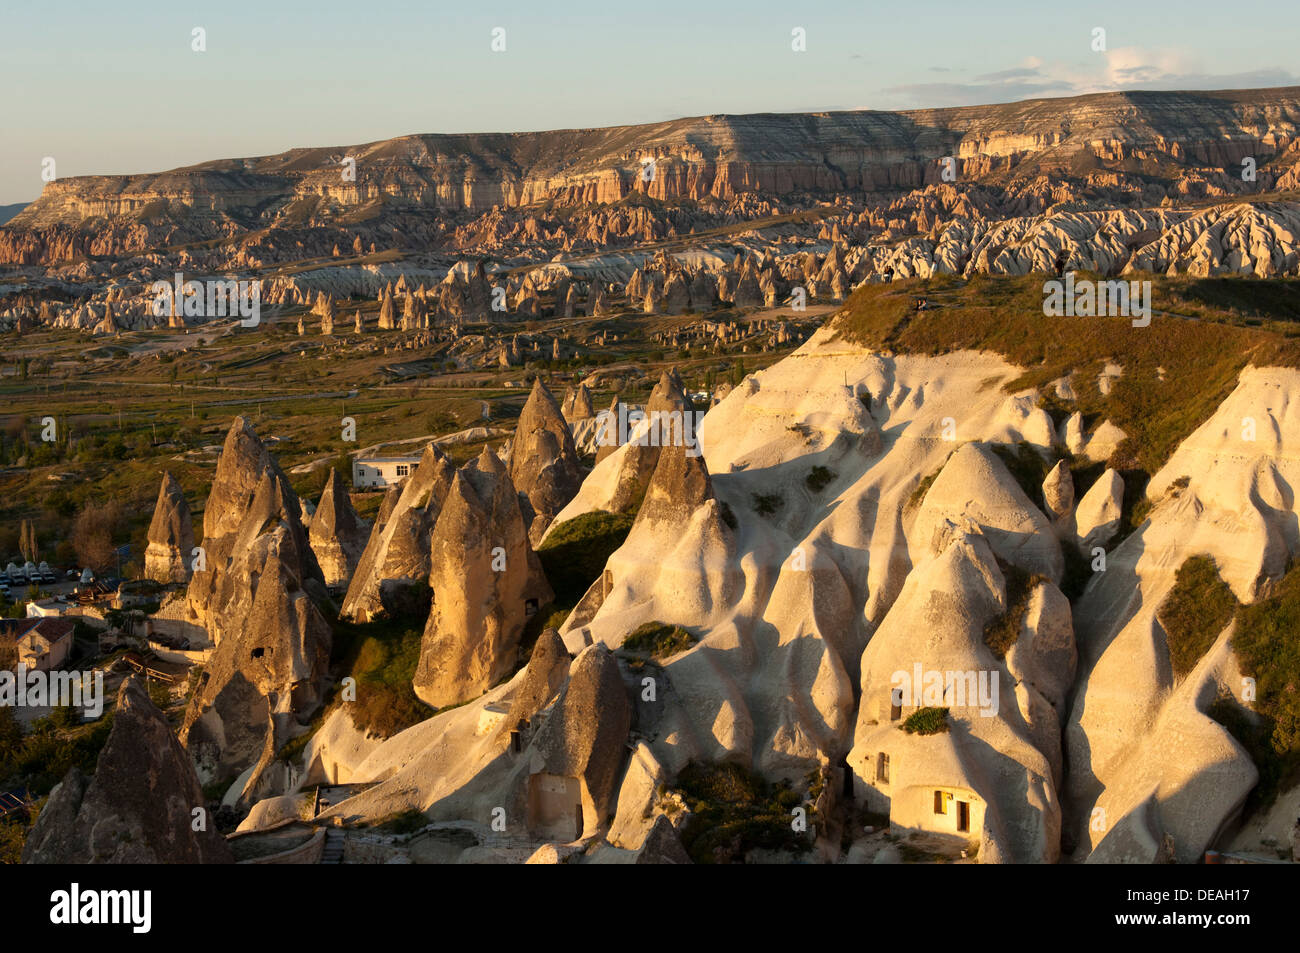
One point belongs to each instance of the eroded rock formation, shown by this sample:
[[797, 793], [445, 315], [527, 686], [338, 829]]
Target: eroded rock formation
[[395, 563], [168, 557], [256, 597], [338, 537], [543, 462], [487, 582], [140, 805]]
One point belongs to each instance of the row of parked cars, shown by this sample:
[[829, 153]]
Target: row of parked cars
[[30, 574]]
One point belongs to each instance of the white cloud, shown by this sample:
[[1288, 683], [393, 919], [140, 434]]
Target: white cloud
[[1125, 68]]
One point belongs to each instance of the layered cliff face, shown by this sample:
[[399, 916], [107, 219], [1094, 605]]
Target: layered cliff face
[[460, 192], [143, 805], [718, 156]]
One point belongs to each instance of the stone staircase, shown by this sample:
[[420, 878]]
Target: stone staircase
[[333, 851]]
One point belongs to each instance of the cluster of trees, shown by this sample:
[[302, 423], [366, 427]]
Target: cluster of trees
[[24, 443], [96, 531]]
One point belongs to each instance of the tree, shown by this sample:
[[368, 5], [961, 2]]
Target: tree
[[92, 534], [737, 373], [343, 463], [27, 544], [11, 732]]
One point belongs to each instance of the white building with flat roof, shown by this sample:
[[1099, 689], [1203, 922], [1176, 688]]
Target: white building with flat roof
[[377, 473]]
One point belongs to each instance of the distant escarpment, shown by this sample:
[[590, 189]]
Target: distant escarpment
[[493, 191]]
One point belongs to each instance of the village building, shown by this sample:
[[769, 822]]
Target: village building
[[377, 473], [41, 644], [52, 608]]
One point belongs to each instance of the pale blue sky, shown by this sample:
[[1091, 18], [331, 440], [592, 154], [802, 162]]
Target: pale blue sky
[[115, 87]]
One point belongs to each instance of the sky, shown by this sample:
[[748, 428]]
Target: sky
[[118, 87]]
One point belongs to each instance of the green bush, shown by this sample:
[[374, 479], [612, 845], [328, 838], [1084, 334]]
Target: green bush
[[922, 487], [734, 810], [575, 552], [926, 721], [1196, 610], [1267, 643], [1002, 631], [765, 504], [13, 834], [382, 657], [41, 759], [658, 640]]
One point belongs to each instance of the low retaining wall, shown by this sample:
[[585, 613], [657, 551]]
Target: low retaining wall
[[308, 853]]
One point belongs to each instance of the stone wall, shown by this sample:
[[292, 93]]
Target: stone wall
[[308, 853]]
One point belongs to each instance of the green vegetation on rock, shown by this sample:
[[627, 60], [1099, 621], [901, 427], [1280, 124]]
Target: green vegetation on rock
[[819, 478], [38, 758], [658, 640], [575, 552], [1176, 371], [382, 656], [1196, 610], [1267, 643], [926, 721], [1002, 631], [734, 810]]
